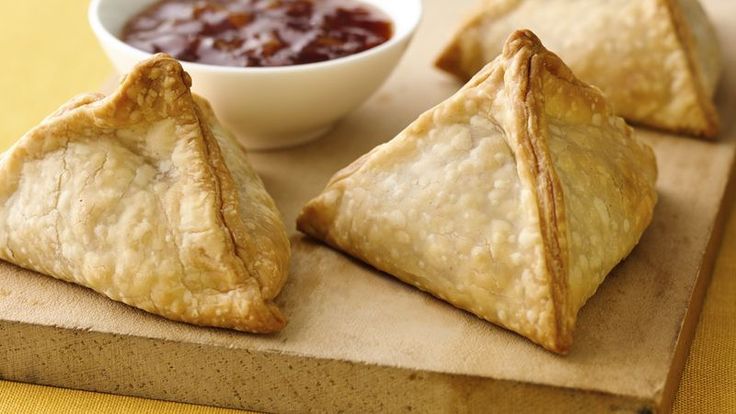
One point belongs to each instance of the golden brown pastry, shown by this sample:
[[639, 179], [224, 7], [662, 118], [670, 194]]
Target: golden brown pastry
[[145, 198], [657, 61], [511, 199]]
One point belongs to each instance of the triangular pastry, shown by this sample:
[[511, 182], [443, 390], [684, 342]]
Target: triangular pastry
[[145, 198], [657, 61], [512, 199]]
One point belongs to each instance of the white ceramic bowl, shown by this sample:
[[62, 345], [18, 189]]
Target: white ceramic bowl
[[274, 107]]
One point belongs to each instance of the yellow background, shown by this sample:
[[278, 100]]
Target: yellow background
[[49, 55]]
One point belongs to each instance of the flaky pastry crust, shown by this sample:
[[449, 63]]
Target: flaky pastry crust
[[657, 61], [144, 197], [512, 199]]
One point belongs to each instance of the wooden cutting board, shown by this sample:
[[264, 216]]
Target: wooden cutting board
[[359, 340]]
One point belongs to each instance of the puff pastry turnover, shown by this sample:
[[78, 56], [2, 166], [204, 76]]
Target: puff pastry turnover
[[145, 198], [511, 199], [657, 61]]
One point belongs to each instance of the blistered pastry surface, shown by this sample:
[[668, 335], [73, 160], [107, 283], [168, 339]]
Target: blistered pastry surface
[[607, 178], [124, 195], [608, 185], [630, 49], [442, 207], [256, 224], [478, 201]]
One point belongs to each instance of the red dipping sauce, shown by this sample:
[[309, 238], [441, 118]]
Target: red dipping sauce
[[253, 33]]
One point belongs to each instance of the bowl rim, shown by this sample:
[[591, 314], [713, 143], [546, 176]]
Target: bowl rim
[[105, 35]]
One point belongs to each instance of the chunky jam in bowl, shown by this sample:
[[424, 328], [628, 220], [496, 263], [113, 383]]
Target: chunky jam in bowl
[[258, 32]]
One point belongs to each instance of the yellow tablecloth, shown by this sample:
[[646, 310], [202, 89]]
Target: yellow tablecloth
[[49, 54]]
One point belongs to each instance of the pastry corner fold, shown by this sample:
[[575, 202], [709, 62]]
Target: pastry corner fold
[[657, 61], [145, 198], [512, 199]]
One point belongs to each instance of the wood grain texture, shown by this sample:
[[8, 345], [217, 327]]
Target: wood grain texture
[[359, 340]]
